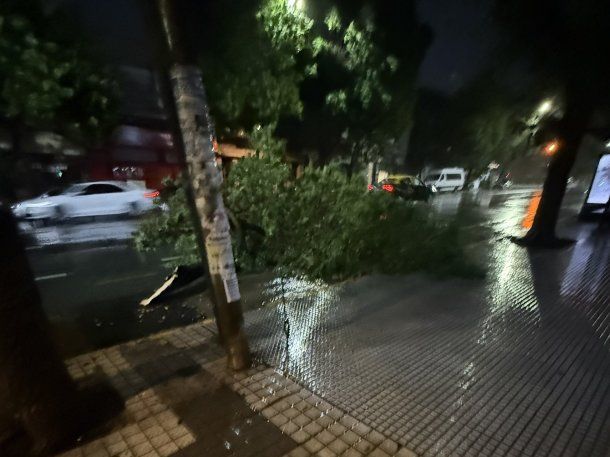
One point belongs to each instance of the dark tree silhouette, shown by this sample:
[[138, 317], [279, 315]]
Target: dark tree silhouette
[[565, 43], [49, 81], [37, 396]]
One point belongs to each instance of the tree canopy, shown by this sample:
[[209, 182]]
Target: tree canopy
[[324, 76], [48, 83], [486, 121], [565, 43]]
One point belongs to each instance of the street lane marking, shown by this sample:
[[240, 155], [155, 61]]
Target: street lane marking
[[126, 278], [55, 276]]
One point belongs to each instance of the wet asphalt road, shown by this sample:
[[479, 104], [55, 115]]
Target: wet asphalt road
[[91, 278]]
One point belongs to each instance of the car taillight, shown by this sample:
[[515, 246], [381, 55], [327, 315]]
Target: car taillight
[[388, 187], [153, 194], [370, 187]]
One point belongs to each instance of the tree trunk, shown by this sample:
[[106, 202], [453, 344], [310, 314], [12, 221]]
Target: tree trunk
[[9, 163], [352, 163], [205, 180], [572, 129], [36, 393]]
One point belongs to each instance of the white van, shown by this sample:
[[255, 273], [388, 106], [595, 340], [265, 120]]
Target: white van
[[449, 179]]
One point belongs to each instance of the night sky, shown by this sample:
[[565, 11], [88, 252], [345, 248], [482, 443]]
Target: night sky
[[117, 27], [464, 37]]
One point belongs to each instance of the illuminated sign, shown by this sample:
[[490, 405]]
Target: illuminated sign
[[600, 187]]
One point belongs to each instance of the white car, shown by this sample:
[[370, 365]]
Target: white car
[[88, 199], [446, 179]]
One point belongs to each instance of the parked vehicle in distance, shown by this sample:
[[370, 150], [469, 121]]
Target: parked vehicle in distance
[[404, 186], [101, 198], [503, 182], [446, 179], [491, 179]]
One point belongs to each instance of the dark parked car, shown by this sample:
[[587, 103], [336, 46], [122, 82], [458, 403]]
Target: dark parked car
[[404, 186]]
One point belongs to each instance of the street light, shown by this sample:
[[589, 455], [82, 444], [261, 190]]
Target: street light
[[296, 5], [551, 147], [545, 107]]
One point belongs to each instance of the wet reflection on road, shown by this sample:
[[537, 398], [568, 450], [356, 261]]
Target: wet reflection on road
[[447, 204], [68, 233], [528, 219], [300, 305], [518, 362]]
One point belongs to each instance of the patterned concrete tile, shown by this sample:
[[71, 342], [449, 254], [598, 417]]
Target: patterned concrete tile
[[183, 401], [515, 364]]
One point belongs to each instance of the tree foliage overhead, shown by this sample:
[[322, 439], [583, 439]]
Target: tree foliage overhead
[[497, 122], [326, 74], [250, 80], [486, 121], [47, 83]]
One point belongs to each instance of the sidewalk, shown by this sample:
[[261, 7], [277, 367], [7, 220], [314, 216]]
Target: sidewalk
[[517, 364], [181, 401]]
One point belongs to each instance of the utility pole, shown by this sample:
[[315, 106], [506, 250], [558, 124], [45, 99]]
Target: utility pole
[[205, 180]]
